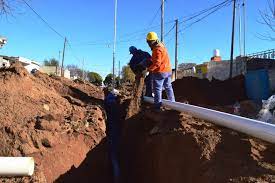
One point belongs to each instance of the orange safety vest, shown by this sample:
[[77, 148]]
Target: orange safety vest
[[160, 60]]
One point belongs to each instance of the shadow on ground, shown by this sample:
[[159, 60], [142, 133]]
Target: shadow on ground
[[95, 168]]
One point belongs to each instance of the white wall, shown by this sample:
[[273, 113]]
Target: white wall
[[221, 70]]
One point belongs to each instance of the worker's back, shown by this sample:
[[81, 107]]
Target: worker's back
[[138, 57], [160, 60]]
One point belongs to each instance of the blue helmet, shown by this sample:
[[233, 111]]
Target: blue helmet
[[132, 49]]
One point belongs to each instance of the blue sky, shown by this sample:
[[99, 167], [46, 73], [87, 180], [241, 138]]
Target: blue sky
[[88, 25]]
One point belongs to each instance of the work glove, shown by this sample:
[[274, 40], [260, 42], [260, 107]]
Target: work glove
[[144, 73]]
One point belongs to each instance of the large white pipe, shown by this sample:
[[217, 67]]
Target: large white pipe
[[16, 166], [258, 129]]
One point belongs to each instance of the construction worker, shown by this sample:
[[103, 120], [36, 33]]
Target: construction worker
[[160, 70], [139, 63], [113, 128]]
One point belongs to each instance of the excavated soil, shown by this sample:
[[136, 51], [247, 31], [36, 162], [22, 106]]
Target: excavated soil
[[175, 147], [62, 125], [212, 93], [57, 121], [135, 102]]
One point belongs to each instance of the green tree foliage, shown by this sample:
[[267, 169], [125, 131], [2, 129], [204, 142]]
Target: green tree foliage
[[51, 62], [108, 80], [127, 74], [95, 78]]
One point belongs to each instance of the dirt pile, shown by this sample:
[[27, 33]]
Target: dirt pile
[[204, 92], [55, 120], [135, 101], [175, 147]]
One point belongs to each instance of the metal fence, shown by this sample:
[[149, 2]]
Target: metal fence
[[268, 54]]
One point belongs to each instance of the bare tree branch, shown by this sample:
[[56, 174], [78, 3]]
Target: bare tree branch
[[268, 19], [7, 7]]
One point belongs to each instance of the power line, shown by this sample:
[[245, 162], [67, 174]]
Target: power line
[[169, 31], [143, 31], [137, 33], [72, 52], [41, 18], [228, 2], [146, 29], [197, 14], [155, 16]]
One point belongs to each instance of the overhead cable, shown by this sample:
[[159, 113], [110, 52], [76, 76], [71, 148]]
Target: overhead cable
[[43, 20]]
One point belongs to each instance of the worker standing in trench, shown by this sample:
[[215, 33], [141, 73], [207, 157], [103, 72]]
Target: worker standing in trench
[[113, 129], [160, 70]]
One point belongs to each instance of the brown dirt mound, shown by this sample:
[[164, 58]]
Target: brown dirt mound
[[175, 147], [55, 120], [135, 101], [204, 92]]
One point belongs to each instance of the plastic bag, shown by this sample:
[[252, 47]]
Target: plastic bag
[[265, 116], [270, 103]]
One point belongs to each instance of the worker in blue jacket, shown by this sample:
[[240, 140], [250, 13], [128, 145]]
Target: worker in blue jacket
[[113, 129], [139, 63]]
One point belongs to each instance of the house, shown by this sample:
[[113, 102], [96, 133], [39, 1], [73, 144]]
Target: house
[[4, 63], [55, 70], [30, 65]]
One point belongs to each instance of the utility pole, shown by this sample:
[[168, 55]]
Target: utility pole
[[244, 27], [240, 28], [232, 39], [63, 57], [176, 50], [162, 20], [83, 77], [119, 71], [59, 56], [114, 46]]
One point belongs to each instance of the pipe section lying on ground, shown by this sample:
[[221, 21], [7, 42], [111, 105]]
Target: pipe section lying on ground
[[258, 129], [16, 166]]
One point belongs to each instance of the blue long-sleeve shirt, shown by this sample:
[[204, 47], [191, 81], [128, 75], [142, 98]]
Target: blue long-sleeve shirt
[[140, 58]]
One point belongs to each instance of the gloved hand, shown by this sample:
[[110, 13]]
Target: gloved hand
[[144, 73]]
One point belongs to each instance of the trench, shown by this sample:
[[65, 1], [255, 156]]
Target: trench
[[175, 147], [142, 146], [139, 154]]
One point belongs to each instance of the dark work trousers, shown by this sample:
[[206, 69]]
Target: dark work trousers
[[113, 131]]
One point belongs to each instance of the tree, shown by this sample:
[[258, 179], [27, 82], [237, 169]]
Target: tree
[[4, 7], [108, 80], [185, 66], [75, 71], [268, 19], [51, 62], [95, 78], [127, 74], [8, 6]]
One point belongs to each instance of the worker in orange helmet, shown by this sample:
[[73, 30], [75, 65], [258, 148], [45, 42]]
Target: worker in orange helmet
[[160, 69]]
